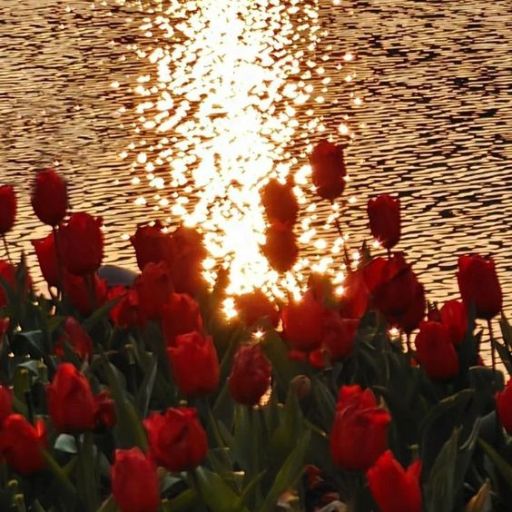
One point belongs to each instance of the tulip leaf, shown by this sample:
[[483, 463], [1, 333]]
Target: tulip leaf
[[184, 502], [60, 475], [98, 315], [506, 331], [289, 473], [109, 505], [146, 388], [504, 468]]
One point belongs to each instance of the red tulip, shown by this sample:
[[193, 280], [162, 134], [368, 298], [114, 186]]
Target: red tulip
[[303, 323], [76, 337], [435, 351], [194, 364], [393, 488], [77, 291], [153, 288], [82, 244], [250, 375], [453, 315], [105, 411], [340, 336], [126, 313], [328, 169], [411, 318], [256, 307], [504, 406], [355, 299], [5, 403], [360, 431], [50, 197], [47, 259], [281, 248], [384, 216], [177, 440], [139, 494], [21, 444], [279, 202], [479, 285], [151, 245], [7, 208], [180, 315], [71, 403]]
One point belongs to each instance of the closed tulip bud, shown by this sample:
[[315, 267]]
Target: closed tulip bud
[[303, 323], [76, 337], [411, 318], [105, 412], [453, 315], [194, 364], [151, 245], [79, 294], [394, 488], [21, 444], [384, 216], [255, 307], [355, 299], [328, 169], [177, 440], [359, 434], [479, 285], [47, 259], [49, 197], [179, 315], [7, 208], [340, 334], [280, 202], [82, 244], [504, 407], [153, 287], [280, 248], [5, 403], [435, 351], [71, 404], [135, 485], [126, 313], [250, 375]]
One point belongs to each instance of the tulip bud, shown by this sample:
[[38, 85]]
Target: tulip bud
[[256, 307], [384, 216], [179, 315], [76, 337], [177, 439], [279, 202], [328, 169], [47, 259], [454, 317], [7, 208], [49, 197], [135, 485], [151, 245], [281, 248], [250, 375], [153, 287]]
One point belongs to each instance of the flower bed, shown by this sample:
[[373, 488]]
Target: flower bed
[[143, 397]]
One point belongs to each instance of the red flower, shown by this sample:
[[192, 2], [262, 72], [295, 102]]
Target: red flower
[[82, 244], [360, 431], [384, 216], [435, 351], [303, 323], [22, 443], [7, 208], [393, 488], [126, 313], [280, 249], [50, 197], [71, 403], [177, 440], [256, 307], [180, 315], [188, 253], [279, 202], [153, 288], [5, 403], [328, 169], [250, 375], [340, 336], [139, 494], [504, 406], [77, 290], [354, 301], [414, 314], [194, 364], [105, 411], [47, 258], [76, 336], [479, 285], [151, 245], [454, 317]]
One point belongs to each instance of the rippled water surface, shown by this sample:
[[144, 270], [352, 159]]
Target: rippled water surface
[[181, 110]]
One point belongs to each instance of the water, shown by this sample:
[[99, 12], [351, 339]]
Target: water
[[420, 90]]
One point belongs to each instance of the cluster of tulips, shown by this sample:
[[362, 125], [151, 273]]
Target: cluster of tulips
[[141, 397]]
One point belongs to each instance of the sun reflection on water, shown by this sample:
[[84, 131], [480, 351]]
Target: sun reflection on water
[[222, 105]]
